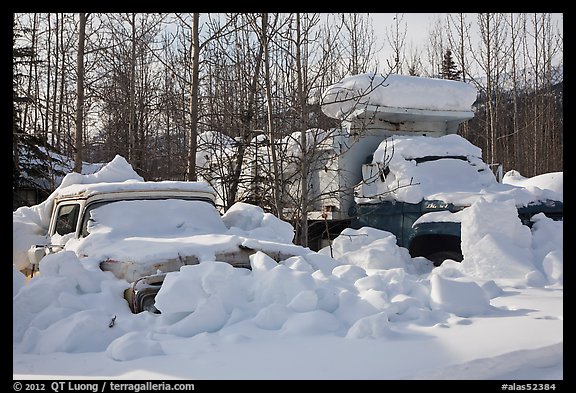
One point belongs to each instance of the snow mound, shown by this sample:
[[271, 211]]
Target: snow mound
[[547, 246], [368, 248], [251, 221], [495, 244], [462, 298], [553, 181]]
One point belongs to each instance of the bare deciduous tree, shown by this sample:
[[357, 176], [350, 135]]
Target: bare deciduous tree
[[80, 93]]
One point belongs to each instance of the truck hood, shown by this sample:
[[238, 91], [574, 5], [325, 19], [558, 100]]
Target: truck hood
[[135, 257], [414, 193]]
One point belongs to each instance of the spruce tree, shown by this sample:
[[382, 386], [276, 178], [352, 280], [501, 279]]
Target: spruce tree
[[449, 69], [32, 164]]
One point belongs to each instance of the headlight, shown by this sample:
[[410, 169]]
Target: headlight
[[147, 302], [141, 296]]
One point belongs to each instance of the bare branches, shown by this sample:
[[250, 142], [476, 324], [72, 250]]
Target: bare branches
[[268, 76]]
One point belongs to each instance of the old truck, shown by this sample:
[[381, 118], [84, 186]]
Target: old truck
[[416, 186], [112, 222], [397, 164]]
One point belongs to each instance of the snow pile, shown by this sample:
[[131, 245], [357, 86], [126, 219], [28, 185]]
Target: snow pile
[[464, 298], [251, 221], [352, 93], [369, 248], [68, 306], [117, 170], [460, 178], [363, 289], [548, 247], [553, 181], [497, 246], [500, 246]]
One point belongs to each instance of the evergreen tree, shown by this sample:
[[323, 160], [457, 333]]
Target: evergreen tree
[[449, 69], [19, 54], [32, 164]]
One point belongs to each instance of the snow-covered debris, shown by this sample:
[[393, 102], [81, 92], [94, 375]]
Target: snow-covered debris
[[368, 248], [495, 243], [251, 221], [399, 91]]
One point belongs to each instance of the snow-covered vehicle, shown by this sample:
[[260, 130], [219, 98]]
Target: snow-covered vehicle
[[398, 164], [415, 186], [140, 231]]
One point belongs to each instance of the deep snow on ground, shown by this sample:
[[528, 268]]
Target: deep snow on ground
[[363, 309]]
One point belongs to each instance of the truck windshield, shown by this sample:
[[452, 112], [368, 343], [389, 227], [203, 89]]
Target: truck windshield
[[420, 160], [155, 217]]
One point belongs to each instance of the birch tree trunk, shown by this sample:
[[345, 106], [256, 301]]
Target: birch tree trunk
[[80, 93], [304, 165], [194, 84], [277, 171]]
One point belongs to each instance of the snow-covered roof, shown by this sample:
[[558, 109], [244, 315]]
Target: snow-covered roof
[[410, 147], [167, 186], [352, 94]]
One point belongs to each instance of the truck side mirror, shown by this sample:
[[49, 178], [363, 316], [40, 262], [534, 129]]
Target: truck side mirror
[[39, 251], [35, 254]]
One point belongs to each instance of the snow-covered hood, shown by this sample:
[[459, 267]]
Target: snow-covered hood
[[125, 258]]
